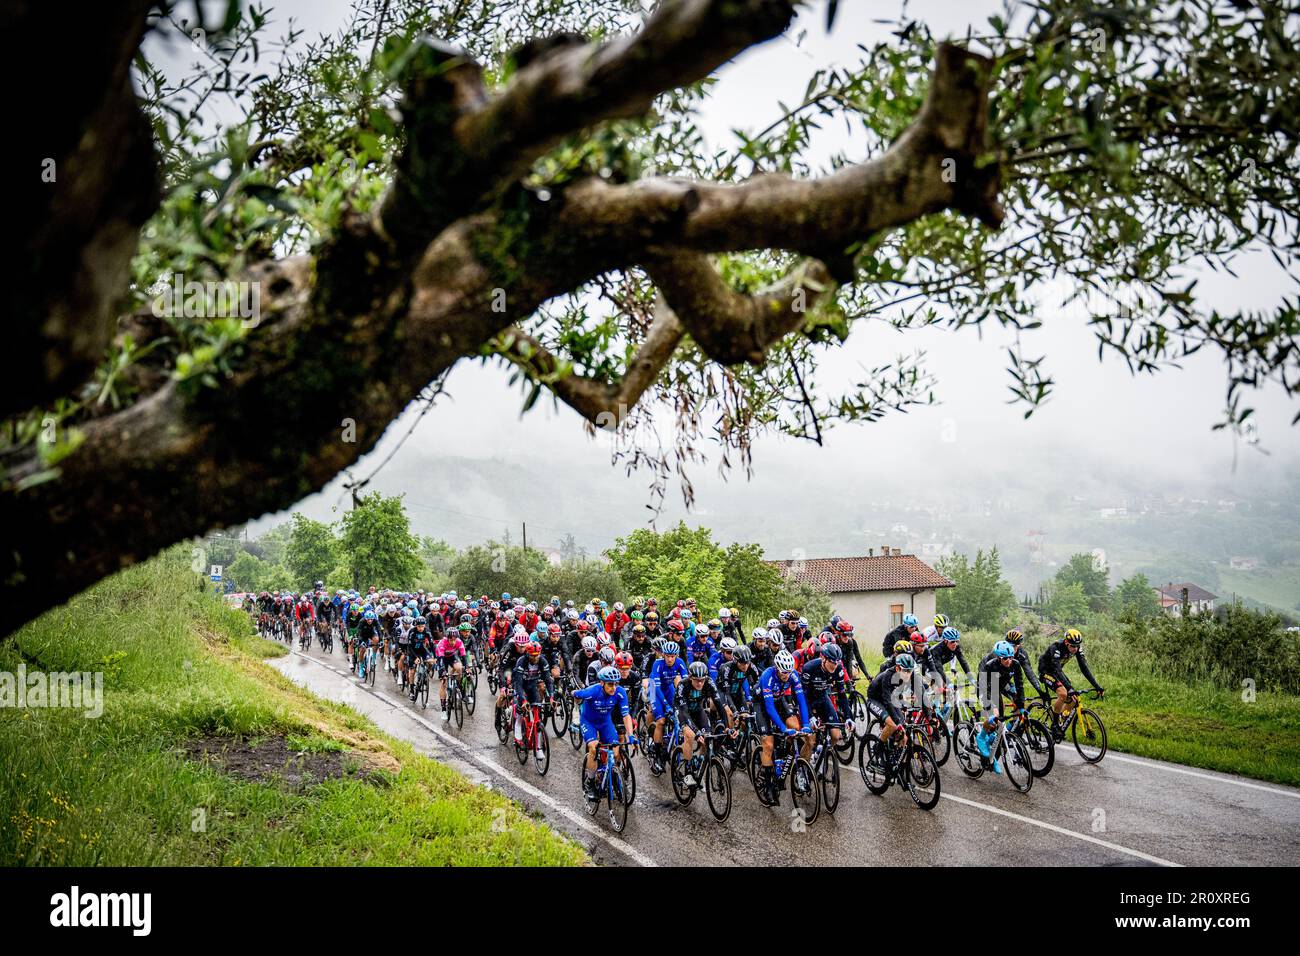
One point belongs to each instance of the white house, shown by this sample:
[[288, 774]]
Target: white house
[[1172, 596], [873, 592]]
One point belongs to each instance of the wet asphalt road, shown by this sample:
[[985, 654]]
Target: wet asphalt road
[[1125, 811]]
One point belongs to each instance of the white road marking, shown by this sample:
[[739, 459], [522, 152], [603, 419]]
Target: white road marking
[[1062, 830], [1156, 765], [492, 766]]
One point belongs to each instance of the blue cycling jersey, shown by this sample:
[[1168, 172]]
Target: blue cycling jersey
[[700, 647], [598, 707], [771, 687], [664, 677]]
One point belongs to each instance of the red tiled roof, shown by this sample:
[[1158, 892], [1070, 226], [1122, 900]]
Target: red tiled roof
[[897, 572], [1173, 593]]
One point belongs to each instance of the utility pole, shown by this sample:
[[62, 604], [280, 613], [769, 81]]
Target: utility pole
[[525, 526]]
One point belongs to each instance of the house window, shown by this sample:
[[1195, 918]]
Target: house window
[[895, 615]]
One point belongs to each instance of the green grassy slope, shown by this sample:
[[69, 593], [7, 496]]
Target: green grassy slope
[[119, 789]]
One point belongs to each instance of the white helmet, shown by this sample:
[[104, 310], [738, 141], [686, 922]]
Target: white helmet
[[775, 635], [618, 605], [724, 613], [784, 661], [572, 614], [773, 622], [727, 644], [531, 607], [589, 643], [759, 633], [519, 630]]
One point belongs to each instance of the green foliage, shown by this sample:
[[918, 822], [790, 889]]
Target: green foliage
[[1066, 604], [981, 597], [494, 568], [272, 544], [1135, 598], [247, 572], [377, 546], [1084, 571], [312, 552]]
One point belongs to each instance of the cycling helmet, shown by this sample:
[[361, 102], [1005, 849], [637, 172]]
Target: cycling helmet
[[743, 655], [909, 620], [803, 622], [784, 661], [638, 629], [727, 644], [843, 627], [623, 659], [505, 595], [1073, 637], [618, 605], [466, 627], [905, 661], [686, 614], [951, 634], [522, 640], [832, 652], [1014, 636], [772, 622], [698, 669], [715, 625], [553, 629], [584, 626], [652, 616], [940, 621], [608, 655], [533, 648], [636, 615], [569, 604], [589, 644], [671, 649], [370, 614], [759, 634], [1004, 649], [519, 631], [319, 584], [658, 644], [784, 616], [775, 636], [677, 626], [724, 613], [608, 675], [902, 647], [572, 615]]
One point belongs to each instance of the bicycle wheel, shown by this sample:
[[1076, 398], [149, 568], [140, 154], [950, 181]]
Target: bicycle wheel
[[845, 748], [756, 776], [559, 715], [805, 793], [717, 788], [423, 694], [1016, 764], [1042, 750], [968, 755], [575, 735], [830, 782], [469, 694], [629, 777], [541, 750], [921, 777], [456, 704], [493, 686], [941, 742], [501, 721], [618, 802], [861, 715], [1090, 741], [871, 765], [677, 771], [372, 666]]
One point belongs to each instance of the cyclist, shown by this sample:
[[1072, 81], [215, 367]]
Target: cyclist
[[450, 655], [697, 697], [616, 621], [604, 658], [640, 646], [1000, 676], [784, 710], [514, 650], [529, 671], [422, 645], [824, 684], [726, 648], [584, 660], [1016, 638], [730, 624], [601, 703], [884, 695], [1051, 670], [948, 649], [763, 651], [903, 632], [854, 665], [665, 676], [735, 690], [555, 652]]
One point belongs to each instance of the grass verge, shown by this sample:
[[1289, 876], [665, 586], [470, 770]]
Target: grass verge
[[124, 788]]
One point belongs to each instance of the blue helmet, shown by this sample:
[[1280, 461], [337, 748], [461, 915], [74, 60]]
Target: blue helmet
[[951, 634], [671, 648], [1004, 649], [608, 674], [370, 614], [905, 661], [505, 595], [909, 620]]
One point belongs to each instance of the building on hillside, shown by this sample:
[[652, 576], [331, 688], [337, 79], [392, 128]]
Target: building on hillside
[[873, 592], [1172, 597], [1242, 563]]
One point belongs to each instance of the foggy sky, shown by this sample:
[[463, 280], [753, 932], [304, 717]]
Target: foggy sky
[[1100, 418]]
